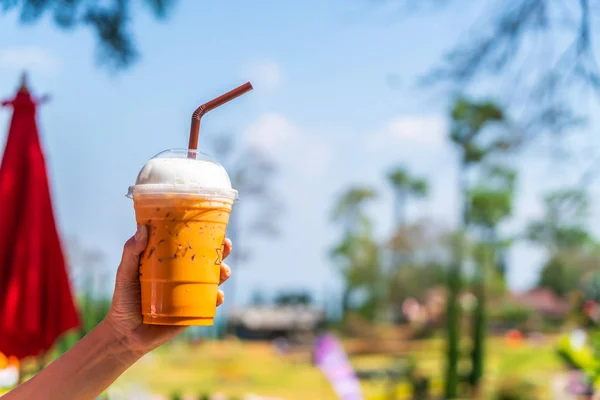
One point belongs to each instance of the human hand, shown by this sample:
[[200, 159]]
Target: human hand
[[125, 315]]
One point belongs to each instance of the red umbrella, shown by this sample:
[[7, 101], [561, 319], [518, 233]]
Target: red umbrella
[[36, 305]]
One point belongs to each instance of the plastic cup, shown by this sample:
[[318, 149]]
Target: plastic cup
[[184, 198]]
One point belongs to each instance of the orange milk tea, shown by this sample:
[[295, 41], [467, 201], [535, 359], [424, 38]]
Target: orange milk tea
[[186, 221]]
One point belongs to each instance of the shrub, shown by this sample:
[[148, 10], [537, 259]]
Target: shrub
[[511, 316], [516, 389]]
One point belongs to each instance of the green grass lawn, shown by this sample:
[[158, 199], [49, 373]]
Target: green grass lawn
[[231, 367], [237, 368]]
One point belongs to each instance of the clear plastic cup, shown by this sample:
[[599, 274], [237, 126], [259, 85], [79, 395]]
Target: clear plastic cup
[[184, 197]]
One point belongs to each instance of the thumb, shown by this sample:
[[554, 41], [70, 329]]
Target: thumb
[[129, 268]]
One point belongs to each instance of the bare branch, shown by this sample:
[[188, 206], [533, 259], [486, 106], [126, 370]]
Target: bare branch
[[110, 20], [492, 51], [497, 48]]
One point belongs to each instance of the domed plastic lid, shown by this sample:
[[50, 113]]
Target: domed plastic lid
[[183, 171]]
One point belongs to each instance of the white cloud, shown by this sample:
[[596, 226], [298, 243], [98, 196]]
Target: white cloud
[[264, 74], [29, 58], [288, 143], [421, 130], [320, 155], [273, 133]]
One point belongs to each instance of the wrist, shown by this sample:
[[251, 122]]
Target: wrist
[[120, 345]]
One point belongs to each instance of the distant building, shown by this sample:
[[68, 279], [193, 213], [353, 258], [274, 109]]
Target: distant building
[[271, 322], [544, 302]]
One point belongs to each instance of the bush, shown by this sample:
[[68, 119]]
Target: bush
[[511, 316], [516, 389]]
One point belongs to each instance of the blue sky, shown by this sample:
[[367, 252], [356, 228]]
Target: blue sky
[[322, 106]]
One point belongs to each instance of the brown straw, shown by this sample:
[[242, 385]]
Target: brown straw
[[211, 105]]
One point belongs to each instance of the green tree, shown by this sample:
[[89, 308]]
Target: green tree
[[357, 254], [559, 275], [469, 120], [562, 233], [425, 257], [491, 202], [492, 198], [572, 269], [350, 209], [358, 260], [563, 224], [109, 20], [405, 186], [414, 279]]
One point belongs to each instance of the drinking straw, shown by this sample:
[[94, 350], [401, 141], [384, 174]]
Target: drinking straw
[[211, 105]]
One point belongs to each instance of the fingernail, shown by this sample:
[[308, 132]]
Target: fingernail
[[228, 272], [138, 232]]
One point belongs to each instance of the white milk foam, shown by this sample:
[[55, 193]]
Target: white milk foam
[[183, 175]]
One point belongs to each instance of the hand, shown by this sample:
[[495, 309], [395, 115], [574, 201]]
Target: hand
[[125, 315]]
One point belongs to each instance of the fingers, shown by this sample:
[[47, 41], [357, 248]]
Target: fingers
[[129, 268], [227, 246], [225, 273], [225, 270]]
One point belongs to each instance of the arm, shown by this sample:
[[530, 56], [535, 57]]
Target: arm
[[86, 370]]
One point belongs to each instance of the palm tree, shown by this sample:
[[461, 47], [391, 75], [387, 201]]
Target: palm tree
[[405, 186], [349, 209]]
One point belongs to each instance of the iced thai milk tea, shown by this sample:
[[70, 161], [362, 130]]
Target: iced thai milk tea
[[185, 204]]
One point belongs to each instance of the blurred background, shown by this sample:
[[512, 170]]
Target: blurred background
[[417, 179]]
